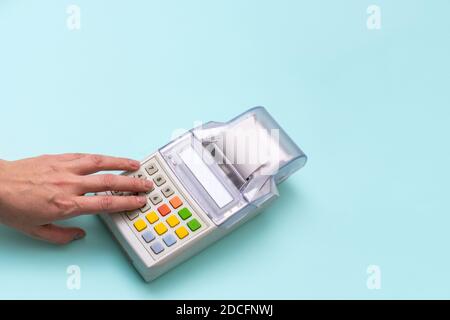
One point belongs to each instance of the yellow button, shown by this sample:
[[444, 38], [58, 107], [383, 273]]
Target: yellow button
[[140, 225], [160, 228], [181, 232], [172, 221], [152, 217]]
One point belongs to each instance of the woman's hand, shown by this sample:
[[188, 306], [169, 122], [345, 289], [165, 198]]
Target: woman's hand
[[36, 192]]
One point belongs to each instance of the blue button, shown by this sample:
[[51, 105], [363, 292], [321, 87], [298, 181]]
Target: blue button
[[148, 236], [169, 239], [157, 247]]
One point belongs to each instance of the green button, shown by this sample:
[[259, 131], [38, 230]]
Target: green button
[[184, 213], [194, 224]]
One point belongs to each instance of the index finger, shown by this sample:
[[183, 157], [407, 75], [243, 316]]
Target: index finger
[[92, 163], [107, 204]]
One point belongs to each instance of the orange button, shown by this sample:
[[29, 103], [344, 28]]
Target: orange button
[[176, 202], [164, 210]]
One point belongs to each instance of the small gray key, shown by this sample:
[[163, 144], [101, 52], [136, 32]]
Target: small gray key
[[132, 215], [145, 208], [155, 199], [151, 168], [159, 180], [167, 191], [149, 191]]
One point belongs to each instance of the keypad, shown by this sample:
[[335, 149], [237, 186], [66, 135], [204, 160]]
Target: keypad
[[152, 217], [132, 215], [184, 213], [167, 220], [151, 168], [140, 225], [157, 247], [159, 180], [173, 221], [181, 232], [164, 210], [148, 236], [176, 202], [194, 224], [145, 208], [155, 199], [149, 191], [160, 228], [169, 239], [139, 175], [167, 191]]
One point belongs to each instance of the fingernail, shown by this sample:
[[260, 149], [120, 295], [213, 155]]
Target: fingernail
[[79, 236], [142, 199], [135, 164], [148, 184]]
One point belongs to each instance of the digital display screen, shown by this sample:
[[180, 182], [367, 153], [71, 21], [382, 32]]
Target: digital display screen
[[205, 177]]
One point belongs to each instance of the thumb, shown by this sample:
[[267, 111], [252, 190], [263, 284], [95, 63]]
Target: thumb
[[56, 234]]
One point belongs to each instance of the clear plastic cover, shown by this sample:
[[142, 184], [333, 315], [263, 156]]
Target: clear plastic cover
[[229, 167]]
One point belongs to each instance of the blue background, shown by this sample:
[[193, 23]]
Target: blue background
[[370, 108]]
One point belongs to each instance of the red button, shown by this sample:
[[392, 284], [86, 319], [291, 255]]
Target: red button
[[164, 210]]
